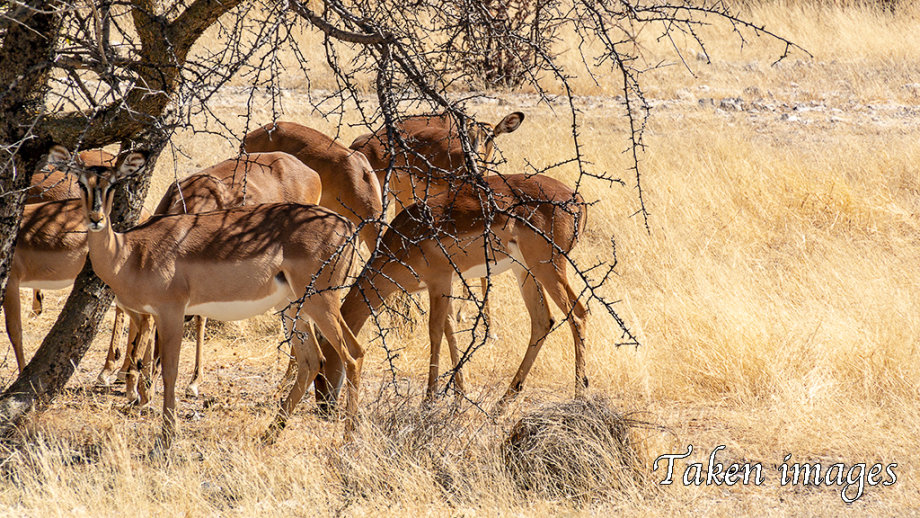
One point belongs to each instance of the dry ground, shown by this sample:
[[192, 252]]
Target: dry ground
[[775, 297]]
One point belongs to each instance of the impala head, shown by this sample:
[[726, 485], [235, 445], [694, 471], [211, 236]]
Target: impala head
[[96, 181], [482, 134]]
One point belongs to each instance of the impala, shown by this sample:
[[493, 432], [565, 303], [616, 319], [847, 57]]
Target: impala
[[349, 184], [247, 180], [51, 248], [227, 264], [54, 185], [535, 222], [50, 252], [434, 158]]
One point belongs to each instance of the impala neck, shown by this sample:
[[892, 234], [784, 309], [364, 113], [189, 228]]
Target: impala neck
[[107, 253], [358, 306]]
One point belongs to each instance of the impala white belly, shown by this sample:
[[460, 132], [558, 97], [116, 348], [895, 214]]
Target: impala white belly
[[495, 268], [242, 309], [47, 285]]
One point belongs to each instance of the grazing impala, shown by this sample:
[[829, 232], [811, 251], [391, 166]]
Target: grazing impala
[[244, 181], [226, 264], [349, 185], [434, 157], [535, 222]]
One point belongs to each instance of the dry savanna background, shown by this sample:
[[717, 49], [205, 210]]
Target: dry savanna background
[[775, 295]]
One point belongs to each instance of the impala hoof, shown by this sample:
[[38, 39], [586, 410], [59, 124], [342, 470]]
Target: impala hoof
[[502, 405], [271, 434], [104, 379], [37, 300], [192, 391], [161, 448]]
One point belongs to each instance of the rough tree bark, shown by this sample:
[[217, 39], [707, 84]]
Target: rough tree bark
[[25, 56]]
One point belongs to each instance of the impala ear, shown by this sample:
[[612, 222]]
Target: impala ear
[[509, 123], [59, 156], [132, 164], [475, 135]]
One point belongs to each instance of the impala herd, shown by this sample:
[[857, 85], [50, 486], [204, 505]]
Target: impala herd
[[280, 227]]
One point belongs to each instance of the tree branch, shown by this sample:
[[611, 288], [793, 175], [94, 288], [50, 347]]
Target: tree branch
[[334, 32]]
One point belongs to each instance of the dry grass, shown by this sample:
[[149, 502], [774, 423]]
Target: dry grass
[[775, 297], [579, 450]]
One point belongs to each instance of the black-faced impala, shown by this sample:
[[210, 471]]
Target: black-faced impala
[[227, 264]]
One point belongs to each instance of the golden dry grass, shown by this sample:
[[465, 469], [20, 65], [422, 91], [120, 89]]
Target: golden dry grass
[[775, 298]]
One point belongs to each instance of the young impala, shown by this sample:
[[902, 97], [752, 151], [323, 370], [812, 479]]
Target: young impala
[[433, 162]]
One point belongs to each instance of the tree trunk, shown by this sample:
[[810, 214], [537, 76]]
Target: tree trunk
[[25, 57]]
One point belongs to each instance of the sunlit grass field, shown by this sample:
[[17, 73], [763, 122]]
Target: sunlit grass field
[[775, 296]]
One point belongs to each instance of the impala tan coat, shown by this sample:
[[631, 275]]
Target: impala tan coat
[[435, 157], [50, 252], [349, 184]]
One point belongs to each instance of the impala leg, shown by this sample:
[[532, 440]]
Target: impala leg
[[325, 313], [200, 323], [169, 338], [328, 384], [540, 325], [12, 313], [133, 330], [136, 385], [439, 302], [452, 347], [108, 369], [153, 357], [308, 359], [291, 372], [565, 297], [134, 327], [37, 299], [130, 367]]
